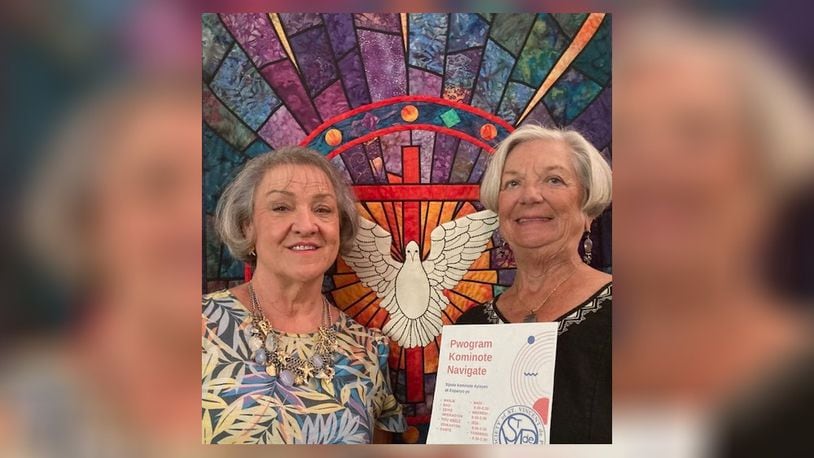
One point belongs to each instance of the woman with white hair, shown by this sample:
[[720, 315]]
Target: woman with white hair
[[547, 186]]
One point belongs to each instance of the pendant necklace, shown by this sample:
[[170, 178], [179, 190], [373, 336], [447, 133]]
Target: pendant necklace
[[267, 349], [531, 317]]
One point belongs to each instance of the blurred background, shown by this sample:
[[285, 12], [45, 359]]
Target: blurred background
[[101, 186]]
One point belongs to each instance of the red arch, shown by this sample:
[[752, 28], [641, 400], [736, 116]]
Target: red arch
[[405, 98], [402, 127]]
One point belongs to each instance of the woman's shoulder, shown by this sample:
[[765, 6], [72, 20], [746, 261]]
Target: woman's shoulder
[[600, 280], [217, 299], [220, 295], [604, 294], [593, 315], [217, 304]]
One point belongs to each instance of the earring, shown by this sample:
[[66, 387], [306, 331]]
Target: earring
[[254, 255], [587, 246]]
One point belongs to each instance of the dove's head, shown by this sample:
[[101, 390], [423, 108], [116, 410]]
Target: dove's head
[[412, 252]]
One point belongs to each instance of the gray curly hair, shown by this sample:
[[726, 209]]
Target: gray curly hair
[[235, 206]]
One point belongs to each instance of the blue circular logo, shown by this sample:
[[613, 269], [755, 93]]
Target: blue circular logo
[[519, 425]]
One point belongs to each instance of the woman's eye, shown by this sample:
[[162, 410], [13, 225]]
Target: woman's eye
[[555, 180], [511, 184], [324, 210], [279, 208]]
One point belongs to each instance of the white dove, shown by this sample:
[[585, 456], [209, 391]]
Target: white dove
[[412, 292]]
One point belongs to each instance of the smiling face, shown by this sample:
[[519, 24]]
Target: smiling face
[[540, 197], [295, 223]]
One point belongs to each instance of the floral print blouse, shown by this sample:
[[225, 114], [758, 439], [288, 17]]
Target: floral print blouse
[[243, 404]]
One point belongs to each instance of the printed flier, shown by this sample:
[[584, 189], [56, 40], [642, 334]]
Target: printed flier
[[495, 384]]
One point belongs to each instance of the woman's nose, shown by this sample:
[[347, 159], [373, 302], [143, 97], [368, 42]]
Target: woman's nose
[[530, 194], [304, 222]]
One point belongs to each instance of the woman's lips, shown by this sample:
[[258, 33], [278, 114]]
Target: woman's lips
[[303, 247], [533, 219]]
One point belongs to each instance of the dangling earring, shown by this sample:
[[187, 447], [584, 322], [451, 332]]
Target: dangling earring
[[587, 246]]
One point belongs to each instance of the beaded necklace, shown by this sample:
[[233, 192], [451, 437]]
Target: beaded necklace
[[291, 369]]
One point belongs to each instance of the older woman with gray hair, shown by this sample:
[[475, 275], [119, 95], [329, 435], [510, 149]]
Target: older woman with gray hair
[[280, 363], [547, 186]]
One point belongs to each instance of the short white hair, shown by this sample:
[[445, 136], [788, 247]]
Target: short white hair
[[592, 169]]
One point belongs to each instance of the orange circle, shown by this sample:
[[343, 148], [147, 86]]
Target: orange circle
[[409, 113], [410, 435], [488, 132], [333, 137]]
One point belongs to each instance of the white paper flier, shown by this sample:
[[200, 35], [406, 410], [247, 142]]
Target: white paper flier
[[495, 384]]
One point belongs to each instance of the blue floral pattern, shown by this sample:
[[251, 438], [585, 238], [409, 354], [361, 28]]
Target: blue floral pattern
[[243, 404]]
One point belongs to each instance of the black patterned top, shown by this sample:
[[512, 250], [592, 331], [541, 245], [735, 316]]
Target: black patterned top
[[581, 408]]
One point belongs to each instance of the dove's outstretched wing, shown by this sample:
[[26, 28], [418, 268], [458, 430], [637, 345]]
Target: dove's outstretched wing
[[455, 246], [372, 262], [412, 293]]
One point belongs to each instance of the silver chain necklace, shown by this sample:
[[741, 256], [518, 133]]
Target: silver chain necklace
[[288, 368]]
